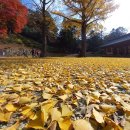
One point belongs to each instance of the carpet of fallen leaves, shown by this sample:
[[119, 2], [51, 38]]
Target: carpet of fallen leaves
[[65, 94]]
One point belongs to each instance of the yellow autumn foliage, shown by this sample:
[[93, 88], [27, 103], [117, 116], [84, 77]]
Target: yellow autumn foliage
[[65, 93]]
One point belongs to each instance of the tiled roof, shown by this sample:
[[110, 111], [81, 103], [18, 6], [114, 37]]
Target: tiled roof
[[119, 40]]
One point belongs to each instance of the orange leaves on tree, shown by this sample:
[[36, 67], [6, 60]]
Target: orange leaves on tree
[[13, 16]]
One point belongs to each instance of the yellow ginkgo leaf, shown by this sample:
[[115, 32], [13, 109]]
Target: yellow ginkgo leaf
[[126, 106], [98, 116], [55, 114], [2, 117], [63, 97], [38, 82], [47, 89], [24, 100], [65, 124], [127, 125], [112, 123], [46, 95], [66, 111], [96, 94], [108, 108], [2, 100], [82, 125], [32, 105], [88, 100], [8, 115], [19, 88], [10, 107], [38, 123], [5, 117], [71, 86], [45, 107], [28, 112]]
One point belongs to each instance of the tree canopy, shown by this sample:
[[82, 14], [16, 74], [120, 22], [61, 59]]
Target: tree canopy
[[86, 13], [13, 16], [116, 33]]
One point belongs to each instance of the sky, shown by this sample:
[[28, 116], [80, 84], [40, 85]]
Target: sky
[[120, 17]]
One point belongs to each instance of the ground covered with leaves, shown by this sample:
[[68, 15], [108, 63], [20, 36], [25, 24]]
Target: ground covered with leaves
[[65, 94]]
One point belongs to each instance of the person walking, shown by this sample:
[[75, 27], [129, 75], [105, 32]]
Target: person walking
[[33, 52]]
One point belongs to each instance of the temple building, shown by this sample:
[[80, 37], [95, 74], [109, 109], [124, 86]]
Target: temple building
[[118, 47]]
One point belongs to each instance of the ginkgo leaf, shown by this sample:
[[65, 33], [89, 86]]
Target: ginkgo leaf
[[96, 94], [47, 90], [63, 97], [70, 86], [46, 95], [10, 107], [24, 100], [117, 98], [38, 82], [2, 117], [98, 116], [38, 123], [108, 108], [32, 105], [112, 123], [126, 86], [65, 124], [82, 125], [55, 114], [28, 112], [127, 125], [79, 95], [126, 106], [66, 111], [2, 100], [5, 117], [19, 88], [46, 108], [88, 99]]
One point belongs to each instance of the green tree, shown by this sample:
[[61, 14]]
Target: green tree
[[67, 39], [116, 33], [35, 23], [95, 40], [86, 13]]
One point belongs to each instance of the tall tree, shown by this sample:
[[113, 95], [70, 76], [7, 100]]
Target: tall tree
[[116, 33], [33, 28], [42, 6], [13, 16], [86, 13]]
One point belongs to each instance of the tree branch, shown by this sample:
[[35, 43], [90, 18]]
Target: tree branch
[[50, 4], [71, 19]]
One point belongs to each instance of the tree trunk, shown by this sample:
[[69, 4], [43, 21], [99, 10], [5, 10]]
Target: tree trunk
[[83, 43], [44, 41], [44, 44]]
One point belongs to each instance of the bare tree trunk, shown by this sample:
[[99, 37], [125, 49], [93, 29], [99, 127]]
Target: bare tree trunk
[[44, 44], [83, 43], [44, 41]]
